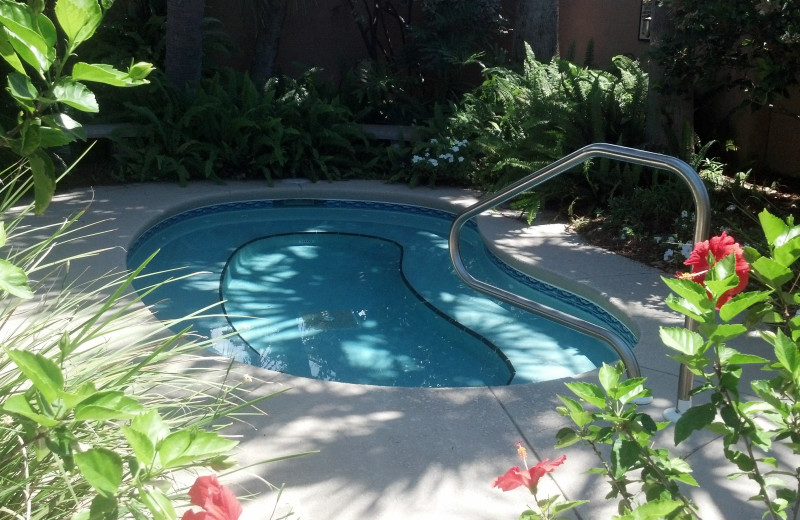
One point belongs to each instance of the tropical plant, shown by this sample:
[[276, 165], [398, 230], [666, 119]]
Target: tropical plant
[[645, 479], [45, 84], [230, 129]]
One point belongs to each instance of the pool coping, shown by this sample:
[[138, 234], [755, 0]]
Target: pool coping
[[392, 453]]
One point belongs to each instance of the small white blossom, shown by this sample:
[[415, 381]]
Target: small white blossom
[[455, 148], [434, 141], [686, 249], [684, 214], [416, 159], [731, 207], [668, 254], [657, 240], [460, 159], [433, 162]]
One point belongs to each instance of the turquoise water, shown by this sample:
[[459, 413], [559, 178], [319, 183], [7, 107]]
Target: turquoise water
[[360, 292]]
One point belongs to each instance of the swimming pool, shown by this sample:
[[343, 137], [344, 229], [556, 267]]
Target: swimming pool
[[361, 292]]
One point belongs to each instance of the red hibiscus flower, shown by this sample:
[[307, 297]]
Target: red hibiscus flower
[[718, 248], [218, 501], [528, 478]]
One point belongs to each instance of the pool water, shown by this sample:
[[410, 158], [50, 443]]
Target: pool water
[[360, 292]]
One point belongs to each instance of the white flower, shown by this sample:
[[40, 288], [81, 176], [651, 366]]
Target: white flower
[[732, 207], [657, 240], [416, 159], [668, 254], [460, 159], [686, 249], [450, 159], [434, 141], [684, 214], [433, 162], [455, 148]]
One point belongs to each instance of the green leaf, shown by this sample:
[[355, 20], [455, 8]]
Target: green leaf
[[682, 339], [143, 448], [14, 281], [3, 234], [720, 333], [787, 354], [43, 373], [102, 469], [689, 290], [741, 302], [102, 73], [772, 226], [158, 504], [590, 393], [774, 273], [29, 35], [44, 180], [566, 437], [22, 89], [693, 419], [79, 19], [17, 404], [151, 425], [9, 54], [729, 356], [107, 406], [191, 446], [609, 379], [655, 509], [76, 95]]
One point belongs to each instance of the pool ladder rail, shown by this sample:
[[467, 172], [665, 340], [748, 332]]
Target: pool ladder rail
[[592, 151]]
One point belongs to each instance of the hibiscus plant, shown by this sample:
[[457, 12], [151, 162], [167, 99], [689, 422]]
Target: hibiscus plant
[[646, 480]]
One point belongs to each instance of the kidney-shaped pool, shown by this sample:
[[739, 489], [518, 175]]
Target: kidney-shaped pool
[[360, 292]]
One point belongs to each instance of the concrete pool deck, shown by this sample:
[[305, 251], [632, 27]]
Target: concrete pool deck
[[413, 453]]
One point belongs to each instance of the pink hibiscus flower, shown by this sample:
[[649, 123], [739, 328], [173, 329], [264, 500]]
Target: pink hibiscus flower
[[529, 478], [218, 501], [717, 248]]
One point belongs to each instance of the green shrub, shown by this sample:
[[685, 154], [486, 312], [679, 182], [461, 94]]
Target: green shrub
[[230, 129]]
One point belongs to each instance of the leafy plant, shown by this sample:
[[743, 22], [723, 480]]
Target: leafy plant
[[230, 129], [712, 296], [46, 86]]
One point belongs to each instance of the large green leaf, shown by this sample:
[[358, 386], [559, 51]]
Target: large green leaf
[[22, 89], [106, 406], [45, 375], [102, 469], [772, 271], [590, 393], [106, 74], [190, 446], [158, 504], [682, 340], [14, 281], [31, 37], [19, 405], [742, 302], [772, 226], [8, 53], [786, 352], [76, 95], [142, 446], [79, 19], [695, 418]]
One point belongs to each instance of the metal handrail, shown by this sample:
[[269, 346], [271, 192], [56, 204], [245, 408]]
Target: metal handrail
[[597, 150]]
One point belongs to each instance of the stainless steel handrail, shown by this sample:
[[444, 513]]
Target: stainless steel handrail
[[597, 150]]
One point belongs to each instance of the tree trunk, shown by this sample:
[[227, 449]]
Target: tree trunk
[[536, 24], [670, 115], [271, 14], [184, 42]]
